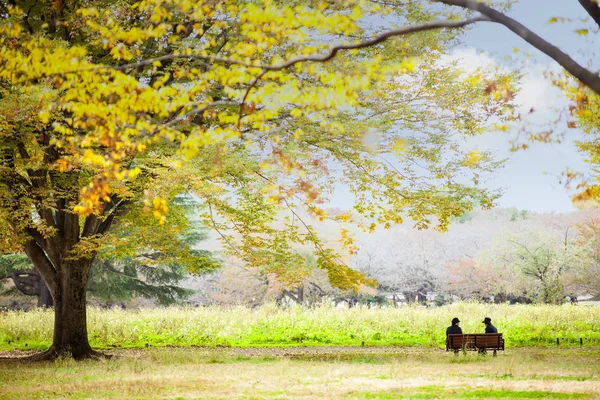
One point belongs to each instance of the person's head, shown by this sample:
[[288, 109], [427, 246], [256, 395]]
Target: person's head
[[455, 321], [487, 320]]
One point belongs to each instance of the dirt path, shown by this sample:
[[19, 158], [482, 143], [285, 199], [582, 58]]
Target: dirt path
[[319, 352]]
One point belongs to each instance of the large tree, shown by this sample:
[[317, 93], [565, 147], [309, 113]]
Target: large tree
[[110, 109]]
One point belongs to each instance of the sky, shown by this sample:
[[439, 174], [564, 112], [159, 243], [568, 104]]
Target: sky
[[531, 178]]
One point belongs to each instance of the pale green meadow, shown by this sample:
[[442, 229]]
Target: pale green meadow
[[522, 325]]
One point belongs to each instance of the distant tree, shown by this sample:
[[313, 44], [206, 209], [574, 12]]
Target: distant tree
[[409, 264], [26, 279], [543, 263], [304, 284], [540, 258], [516, 214], [467, 217], [468, 278], [133, 264], [587, 271]]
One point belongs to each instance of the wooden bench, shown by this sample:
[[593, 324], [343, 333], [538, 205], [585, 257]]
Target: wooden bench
[[481, 342]]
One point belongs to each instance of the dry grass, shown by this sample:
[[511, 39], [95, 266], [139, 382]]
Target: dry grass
[[297, 373]]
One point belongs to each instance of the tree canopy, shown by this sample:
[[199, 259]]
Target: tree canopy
[[111, 109]]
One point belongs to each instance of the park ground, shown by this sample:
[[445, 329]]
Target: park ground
[[308, 372]]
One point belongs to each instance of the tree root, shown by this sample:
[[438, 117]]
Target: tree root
[[54, 354]]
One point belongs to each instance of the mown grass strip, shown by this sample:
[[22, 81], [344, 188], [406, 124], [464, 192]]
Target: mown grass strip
[[438, 392]]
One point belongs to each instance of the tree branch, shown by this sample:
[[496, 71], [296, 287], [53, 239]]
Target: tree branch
[[71, 229], [118, 210], [59, 216], [41, 262], [90, 226], [360, 45], [175, 118], [593, 9], [37, 237], [94, 223], [374, 41], [585, 76], [28, 282], [216, 228], [296, 60]]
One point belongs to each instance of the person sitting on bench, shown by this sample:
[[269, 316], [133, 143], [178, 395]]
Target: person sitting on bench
[[489, 328], [454, 328]]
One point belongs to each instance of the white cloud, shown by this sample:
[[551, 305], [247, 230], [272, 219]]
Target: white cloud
[[471, 59], [530, 178]]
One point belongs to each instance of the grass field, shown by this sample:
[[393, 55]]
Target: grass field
[[311, 372], [522, 325], [308, 353]]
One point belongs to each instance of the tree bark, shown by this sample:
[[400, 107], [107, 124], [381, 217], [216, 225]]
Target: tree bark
[[67, 284], [300, 296], [70, 318], [44, 297]]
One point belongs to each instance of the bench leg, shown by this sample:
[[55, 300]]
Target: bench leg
[[495, 353]]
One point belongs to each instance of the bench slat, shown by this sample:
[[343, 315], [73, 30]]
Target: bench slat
[[475, 341]]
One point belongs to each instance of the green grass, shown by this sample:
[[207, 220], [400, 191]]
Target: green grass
[[295, 373], [522, 325], [437, 392]]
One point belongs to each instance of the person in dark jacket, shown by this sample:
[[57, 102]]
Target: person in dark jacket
[[489, 328], [454, 328]]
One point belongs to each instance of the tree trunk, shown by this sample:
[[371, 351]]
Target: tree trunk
[[66, 270], [70, 319], [44, 297], [300, 295]]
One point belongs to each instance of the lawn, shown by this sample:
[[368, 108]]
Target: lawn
[[309, 372], [522, 325]]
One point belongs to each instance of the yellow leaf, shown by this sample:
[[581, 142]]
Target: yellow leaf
[[134, 172], [44, 117], [399, 146], [356, 13], [473, 158]]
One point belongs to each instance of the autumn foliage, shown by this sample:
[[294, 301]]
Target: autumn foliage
[[110, 109]]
